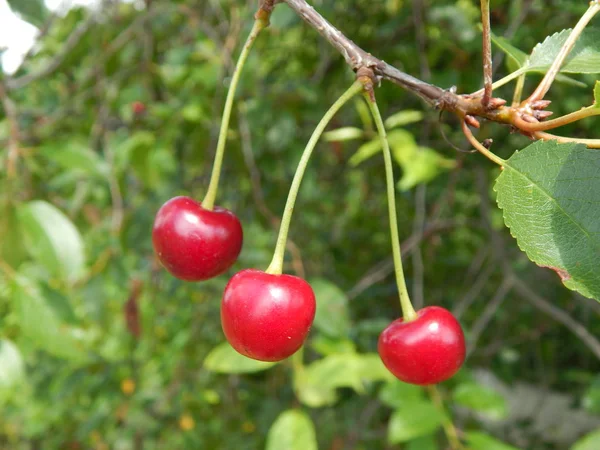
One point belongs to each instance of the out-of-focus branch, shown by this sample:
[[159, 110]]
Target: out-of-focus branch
[[558, 314], [12, 116]]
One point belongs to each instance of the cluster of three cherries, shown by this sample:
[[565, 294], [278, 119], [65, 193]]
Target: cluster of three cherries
[[268, 316]]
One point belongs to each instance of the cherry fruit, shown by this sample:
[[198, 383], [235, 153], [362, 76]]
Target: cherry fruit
[[267, 317], [194, 243], [138, 108], [426, 350]]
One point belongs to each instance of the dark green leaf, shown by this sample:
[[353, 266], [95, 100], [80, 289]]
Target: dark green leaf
[[52, 239], [224, 359], [32, 11], [550, 193], [293, 430], [332, 316]]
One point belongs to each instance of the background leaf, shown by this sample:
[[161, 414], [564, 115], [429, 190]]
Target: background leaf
[[481, 441], [224, 359], [42, 325], [481, 399], [12, 367], [590, 441], [32, 11], [332, 316], [293, 430], [52, 239], [414, 420], [549, 194]]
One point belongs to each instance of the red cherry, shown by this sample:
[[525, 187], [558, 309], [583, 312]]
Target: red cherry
[[427, 350], [138, 107], [267, 317], [194, 243]]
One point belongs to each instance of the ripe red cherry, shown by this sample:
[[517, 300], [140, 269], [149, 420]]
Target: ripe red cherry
[[138, 107], [194, 243], [267, 317], [427, 350]]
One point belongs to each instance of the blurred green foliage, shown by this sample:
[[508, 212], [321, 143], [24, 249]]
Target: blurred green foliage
[[78, 272]]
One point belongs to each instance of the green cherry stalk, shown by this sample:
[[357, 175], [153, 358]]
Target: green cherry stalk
[[260, 23], [276, 266], [408, 311]]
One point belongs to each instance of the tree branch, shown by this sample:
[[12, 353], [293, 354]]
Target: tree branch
[[72, 41]]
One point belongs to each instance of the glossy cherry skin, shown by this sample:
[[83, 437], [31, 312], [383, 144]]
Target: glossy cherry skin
[[267, 317], [194, 243], [424, 351]]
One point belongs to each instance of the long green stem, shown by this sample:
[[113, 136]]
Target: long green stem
[[276, 266], [211, 193], [408, 312]]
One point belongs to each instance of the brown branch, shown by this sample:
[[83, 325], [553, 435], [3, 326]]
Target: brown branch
[[487, 52], [559, 315]]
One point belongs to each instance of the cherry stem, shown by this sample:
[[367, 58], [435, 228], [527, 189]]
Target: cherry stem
[[211, 193], [480, 147], [449, 428], [276, 266], [559, 121], [548, 79], [408, 311], [590, 143]]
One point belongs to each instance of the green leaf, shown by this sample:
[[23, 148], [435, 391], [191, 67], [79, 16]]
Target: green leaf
[[423, 166], [74, 155], [584, 58], [423, 443], [12, 367], [481, 399], [328, 346], [317, 382], [343, 134], [401, 118], [332, 317], [549, 194], [32, 11], [292, 430], [416, 420], [597, 94], [397, 394], [482, 441], [224, 359], [590, 441], [12, 249], [52, 239], [365, 151], [518, 57], [41, 324], [373, 369]]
